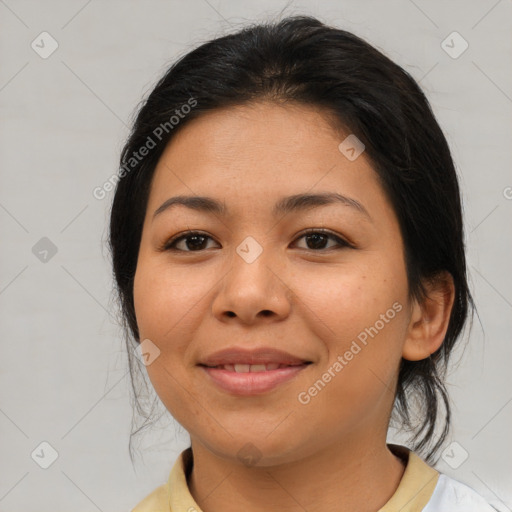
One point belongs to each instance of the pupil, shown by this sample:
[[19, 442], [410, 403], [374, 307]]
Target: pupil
[[195, 237], [319, 240]]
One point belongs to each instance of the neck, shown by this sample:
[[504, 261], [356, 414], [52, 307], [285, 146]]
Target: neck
[[342, 477]]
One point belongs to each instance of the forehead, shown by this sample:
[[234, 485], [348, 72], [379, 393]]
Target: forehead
[[267, 130], [249, 154]]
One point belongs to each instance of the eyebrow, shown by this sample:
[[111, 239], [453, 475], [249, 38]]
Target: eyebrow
[[298, 202]]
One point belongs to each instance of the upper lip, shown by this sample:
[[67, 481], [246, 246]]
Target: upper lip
[[264, 355]]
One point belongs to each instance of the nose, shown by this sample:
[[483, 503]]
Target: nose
[[253, 291]]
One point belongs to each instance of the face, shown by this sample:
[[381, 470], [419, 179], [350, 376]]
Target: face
[[318, 288]]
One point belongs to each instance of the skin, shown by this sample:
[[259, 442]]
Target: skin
[[331, 453]]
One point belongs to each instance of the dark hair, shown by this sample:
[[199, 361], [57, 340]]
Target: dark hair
[[301, 60]]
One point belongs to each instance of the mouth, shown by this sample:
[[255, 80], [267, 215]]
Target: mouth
[[254, 368], [241, 371], [245, 379]]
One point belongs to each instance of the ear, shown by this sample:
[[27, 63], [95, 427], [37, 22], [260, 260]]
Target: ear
[[429, 319]]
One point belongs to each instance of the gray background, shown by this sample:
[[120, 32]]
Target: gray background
[[63, 370]]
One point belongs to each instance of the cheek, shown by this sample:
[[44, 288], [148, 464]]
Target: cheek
[[169, 310], [166, 300], [160, 310], [359, 314], [341, 303]]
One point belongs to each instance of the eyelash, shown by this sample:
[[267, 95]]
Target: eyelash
[[168, 245]]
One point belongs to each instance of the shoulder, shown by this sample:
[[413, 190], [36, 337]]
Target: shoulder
[[174, 495], [450, 495], [157, 501]]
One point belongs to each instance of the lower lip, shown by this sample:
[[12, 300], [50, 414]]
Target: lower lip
[[252, 383]]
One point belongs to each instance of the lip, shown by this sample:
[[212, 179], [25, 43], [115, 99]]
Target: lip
[[263, 355], [252, 382]]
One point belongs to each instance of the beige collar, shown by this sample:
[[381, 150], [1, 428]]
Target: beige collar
[[414, 492]]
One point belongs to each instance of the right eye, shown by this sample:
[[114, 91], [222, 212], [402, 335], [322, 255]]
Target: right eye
[[194, 241]]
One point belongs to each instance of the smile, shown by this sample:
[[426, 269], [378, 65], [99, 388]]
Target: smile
[[251, 379]]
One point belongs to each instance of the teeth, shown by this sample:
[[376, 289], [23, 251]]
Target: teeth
[[258, 368], [246, 368]]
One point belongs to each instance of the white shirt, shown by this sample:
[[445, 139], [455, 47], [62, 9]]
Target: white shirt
[[450, 495]]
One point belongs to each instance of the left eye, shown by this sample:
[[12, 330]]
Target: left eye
[[317, 238], [195, 241]]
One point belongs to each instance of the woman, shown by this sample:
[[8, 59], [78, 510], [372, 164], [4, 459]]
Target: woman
[[287, 244]]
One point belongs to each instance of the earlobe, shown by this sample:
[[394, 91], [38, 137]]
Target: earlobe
[[430, 318]]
